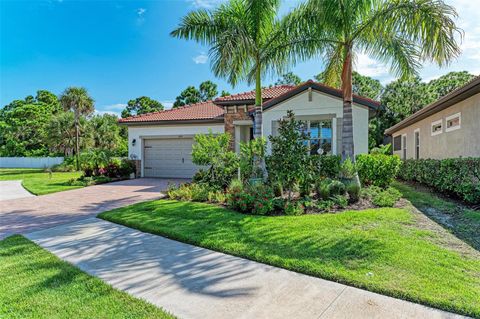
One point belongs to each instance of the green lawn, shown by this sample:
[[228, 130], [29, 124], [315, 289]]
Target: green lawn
[[37, 182], [382, 250], [36, 284], [459, 219]]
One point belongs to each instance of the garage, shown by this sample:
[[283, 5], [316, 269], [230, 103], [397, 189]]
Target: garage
[[168, 157]]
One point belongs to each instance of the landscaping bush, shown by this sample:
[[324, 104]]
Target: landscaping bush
[[323, 188], [217, 197], [293, 208], [381, 197], [68, 165], [340, 200], [213, 150], [326, 166], [377, 169], [193, 192], [288, 162], [252, 157], [454, 176], [353, 191], [255, 199], [336, 188]]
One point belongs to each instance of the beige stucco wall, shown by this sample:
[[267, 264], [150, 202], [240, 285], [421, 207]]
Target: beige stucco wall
[[463, 142], [181, 130], [322, 106]]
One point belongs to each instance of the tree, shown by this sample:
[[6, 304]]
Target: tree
[[224, 93], [402, 33], [289, 78], [106, 135], [23, 125], [245, 41], [141, 105], [206, 91], [77, 100], [361, 85], [188, 96], [448, 82], [61, 133]]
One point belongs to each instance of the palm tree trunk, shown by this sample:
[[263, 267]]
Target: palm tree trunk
[[77, 142], [258, 104], [348, 150]]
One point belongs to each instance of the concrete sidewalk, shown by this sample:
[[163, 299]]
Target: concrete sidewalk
[[13, 190], [193, 282]]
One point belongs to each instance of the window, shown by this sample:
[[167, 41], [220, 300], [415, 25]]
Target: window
[[453, 122], [416, 136], [404, 146], [397, 143], [436, 127], [320, 141]]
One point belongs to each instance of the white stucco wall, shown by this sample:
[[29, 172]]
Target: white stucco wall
[[322, 106], [181, 130]]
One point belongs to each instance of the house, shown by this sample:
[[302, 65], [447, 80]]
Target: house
[[161, 142], [447, 128]]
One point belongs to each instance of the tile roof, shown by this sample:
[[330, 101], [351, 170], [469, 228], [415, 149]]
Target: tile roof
[[198, 111], [267, 93], [211, 110]]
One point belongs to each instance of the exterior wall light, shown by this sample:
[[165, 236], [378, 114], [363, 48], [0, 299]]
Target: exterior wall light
[[134, 141]]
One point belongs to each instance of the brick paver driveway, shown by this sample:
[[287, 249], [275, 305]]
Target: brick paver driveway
[[19, 216]]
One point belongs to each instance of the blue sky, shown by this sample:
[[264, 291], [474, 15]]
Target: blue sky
[[120, 50]]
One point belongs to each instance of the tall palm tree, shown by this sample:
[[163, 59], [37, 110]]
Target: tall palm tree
[[401, 33], [241, 35], [77, 100]]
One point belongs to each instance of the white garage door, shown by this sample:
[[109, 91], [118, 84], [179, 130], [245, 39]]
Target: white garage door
[[170, 157]]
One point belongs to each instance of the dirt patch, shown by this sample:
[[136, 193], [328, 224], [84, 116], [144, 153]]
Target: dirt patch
[[443, 236]]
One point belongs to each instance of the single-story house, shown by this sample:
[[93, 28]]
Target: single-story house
[[161, 142], [447, 128]]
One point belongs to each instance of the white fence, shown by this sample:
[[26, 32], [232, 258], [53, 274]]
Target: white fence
[[29, 162]]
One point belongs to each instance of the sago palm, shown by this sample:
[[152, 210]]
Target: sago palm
[[399, 33], [241, 35], [78, 101]]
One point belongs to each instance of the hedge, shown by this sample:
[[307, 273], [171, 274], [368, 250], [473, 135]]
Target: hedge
[[377, 169], [457, 176]]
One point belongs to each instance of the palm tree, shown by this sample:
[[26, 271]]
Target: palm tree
[[401, 33], [78, 101], [242, 35]]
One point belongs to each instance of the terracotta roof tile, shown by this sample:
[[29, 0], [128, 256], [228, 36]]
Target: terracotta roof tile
[[198, 111], [267, 93]]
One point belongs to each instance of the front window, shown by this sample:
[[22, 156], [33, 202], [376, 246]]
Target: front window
[[437, 127], [453, 122], [320, 136]]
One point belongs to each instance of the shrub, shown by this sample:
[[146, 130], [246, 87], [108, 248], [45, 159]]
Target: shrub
[[213, 150], [252, 157], [377, 169], [254, 199], [325, 205], [68, 165], [293, 208], [348, 169], [353, 191], [323, 189], [326, 166], [288, 161], [340, 200], [218, 197], [127, 167], [382, 197], [457, 176], [336, 188], [387, 198], [182, 192]]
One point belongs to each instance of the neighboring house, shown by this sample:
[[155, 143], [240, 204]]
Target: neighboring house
[[447, 128], [161, 142]]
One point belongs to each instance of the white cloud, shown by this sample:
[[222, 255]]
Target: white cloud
[[141, 12], [167, 104], [369, 67], [200, 59], [205, 4]]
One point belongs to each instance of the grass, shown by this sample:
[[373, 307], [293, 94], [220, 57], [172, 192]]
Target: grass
[[382, 250], [459, 219], [36, 284], [37, 182]]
